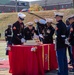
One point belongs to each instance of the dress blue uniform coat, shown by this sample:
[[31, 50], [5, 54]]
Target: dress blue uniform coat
[[18, 33], [61, 48], [48, 35]]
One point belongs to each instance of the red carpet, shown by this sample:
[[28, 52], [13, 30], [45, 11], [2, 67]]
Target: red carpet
[[4, 64]]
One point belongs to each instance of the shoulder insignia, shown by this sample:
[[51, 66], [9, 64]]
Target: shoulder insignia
[[14, 28]]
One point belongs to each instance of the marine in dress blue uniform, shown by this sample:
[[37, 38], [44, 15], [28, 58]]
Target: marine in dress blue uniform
[[29, 31], [60, 44], [40, 27], [18, 30], [8, 36], [48, 32]]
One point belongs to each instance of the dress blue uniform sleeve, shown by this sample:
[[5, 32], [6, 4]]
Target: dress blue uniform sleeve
[[61, 31], [14, 29]]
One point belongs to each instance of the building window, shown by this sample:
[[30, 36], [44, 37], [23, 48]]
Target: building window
[[62, 6], [24, 3]]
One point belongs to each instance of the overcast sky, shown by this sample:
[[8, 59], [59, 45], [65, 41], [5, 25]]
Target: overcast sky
[[28, 0]]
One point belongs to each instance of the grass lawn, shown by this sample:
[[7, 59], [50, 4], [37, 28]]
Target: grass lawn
[[2, 50]]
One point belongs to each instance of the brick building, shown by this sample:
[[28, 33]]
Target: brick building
[[10, 6]]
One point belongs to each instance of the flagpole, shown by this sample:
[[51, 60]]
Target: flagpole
[[16, 6], [73, 3]]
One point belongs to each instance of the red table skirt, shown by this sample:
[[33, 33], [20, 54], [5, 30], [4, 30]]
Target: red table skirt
[[49, 57], [25, 62]]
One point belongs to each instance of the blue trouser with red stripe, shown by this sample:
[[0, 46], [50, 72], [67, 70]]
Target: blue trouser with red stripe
[[62, 61]]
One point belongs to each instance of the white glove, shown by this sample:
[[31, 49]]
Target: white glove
[[8, 48], [40, 35], [22, 40], [55, 36], [67, 42]]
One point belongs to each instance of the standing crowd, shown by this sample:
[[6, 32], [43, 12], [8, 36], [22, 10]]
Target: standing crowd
[[18, 34]]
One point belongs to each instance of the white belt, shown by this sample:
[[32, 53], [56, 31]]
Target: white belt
[[18, 34], [63, 36]]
